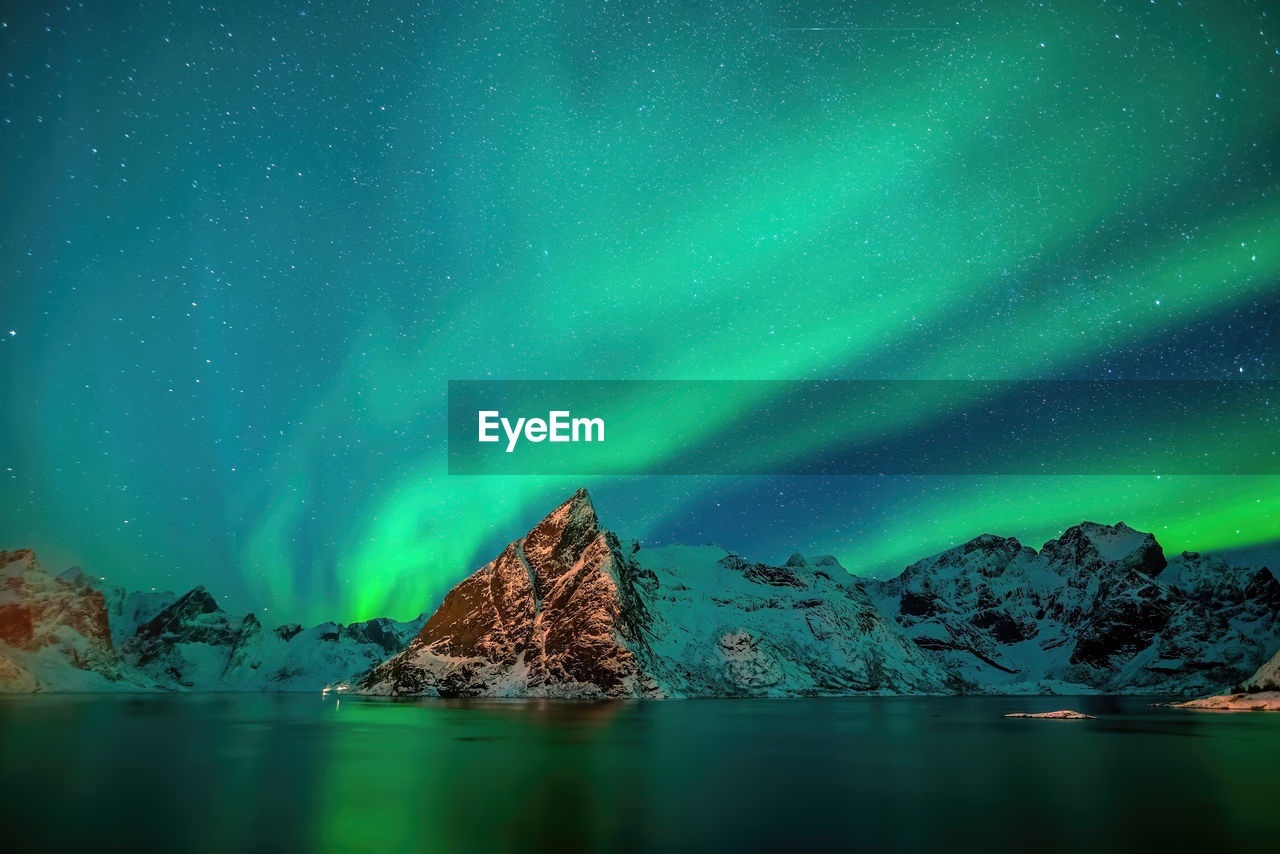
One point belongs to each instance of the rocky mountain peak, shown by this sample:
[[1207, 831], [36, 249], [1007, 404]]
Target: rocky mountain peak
[[193, 603], [16, 562], [992, 542], [34, 604], [567, 611], [555, 614], [798, 560], [1090, 543], [74, 632], [76, 577], [558, 542], [194, 617], [575, 519], [986, 555]]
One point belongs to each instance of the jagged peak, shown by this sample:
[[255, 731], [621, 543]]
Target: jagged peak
[[961, 554], [1113, 544], [1088, 528], [580, 508], [993, 541], [1105, 529], [75, 575], [17, 561], [799, 560], [574, 521], [197, 600]]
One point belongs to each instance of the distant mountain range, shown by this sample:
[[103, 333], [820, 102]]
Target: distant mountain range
[[73, 632], [569, 610]]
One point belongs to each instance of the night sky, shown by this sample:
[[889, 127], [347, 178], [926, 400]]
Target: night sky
[[245, 246]]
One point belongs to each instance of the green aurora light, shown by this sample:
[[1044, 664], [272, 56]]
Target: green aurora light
[[247, 254]]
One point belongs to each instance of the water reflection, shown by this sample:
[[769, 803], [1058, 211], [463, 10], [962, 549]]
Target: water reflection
[[279, 772]]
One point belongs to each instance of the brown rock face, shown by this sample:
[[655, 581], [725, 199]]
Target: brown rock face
[[39, 612], [488, 616], [15, 626], [34, 604], [554, 615]]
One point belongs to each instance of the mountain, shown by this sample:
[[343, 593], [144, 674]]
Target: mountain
[[1259, 693], [565, 611], [74, 632], [556, 614], [724, 626], [54, 635], [1267, 677], [126, 610], [193, 643], [570, 610], [1249, 599], [1098, 609]]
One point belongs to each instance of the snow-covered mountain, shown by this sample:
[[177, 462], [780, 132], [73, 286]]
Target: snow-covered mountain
[[556, 614], [195, 644], [77, 633], [126, 610], [1267, 677], [1260, 693], [568, 610], [722, 626], [54, 635], [1098, 609]]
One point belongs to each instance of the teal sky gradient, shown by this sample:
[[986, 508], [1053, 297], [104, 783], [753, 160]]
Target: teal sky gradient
[[244, 249]]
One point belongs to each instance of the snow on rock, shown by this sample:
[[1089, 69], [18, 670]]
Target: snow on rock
[[195, 644], [1098, 609], [555, 615], [724, 626], [1248, 599], [568, 611], [1267, 678], [565, 612], [54, 635], [126, 611], [74, 632], [1261, 692], [1119, 542]]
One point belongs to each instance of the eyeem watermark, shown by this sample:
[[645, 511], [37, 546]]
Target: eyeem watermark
[[559, 426], [864, 427]]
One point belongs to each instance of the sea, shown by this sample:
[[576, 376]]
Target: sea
[[335, 773]]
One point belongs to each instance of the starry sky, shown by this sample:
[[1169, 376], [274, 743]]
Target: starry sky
[[245, 247]]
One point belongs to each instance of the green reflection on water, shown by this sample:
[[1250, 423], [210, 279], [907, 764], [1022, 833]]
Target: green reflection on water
[[281, 773]]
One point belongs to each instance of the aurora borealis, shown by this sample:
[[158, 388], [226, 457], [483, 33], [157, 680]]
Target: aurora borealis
[[245, 248]]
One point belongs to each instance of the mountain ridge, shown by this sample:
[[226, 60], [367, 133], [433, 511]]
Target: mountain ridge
[[74, 632], [570, 610]]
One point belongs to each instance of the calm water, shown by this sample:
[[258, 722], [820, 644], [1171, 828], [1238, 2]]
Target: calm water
[[221, 773]]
